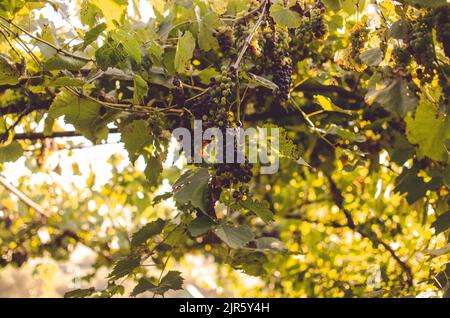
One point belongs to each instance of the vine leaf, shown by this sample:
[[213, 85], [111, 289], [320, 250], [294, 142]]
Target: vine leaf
[[395, 97], [130, 44], [184, 51], [192, 187], [372, 57], [207, 21], [284, 16], [234, 236], [93, 34], [62, 62], [67, 81], [327, 104], [171, 281], [143, 285], [80, 293], [124, 267], [408, 182], [140, 90], [147, 231], [442, 223], [429, 129], [261, 209], [89, 13], [83, 114], [9, 75], [135, 137], [153, 168], [110, 54], [11, 152], [201, 225], [112, 10]]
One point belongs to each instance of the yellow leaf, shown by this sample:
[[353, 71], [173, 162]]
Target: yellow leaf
[[111, 11]]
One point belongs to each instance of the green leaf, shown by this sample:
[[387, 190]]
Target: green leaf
[[113, 10], [161, 197], [147, 231], [85, 115], [93, 34], [80, 293], [62, 62], [284, 16], [130, 44], [442, 223], [234, 236], [395, 97], [207, 21], [171, 281], [184, 52], [89, 13], [429, 129], [372, 57], [136, 136], [155, 51], [143, 285], [124, 267], [192, 188], [9, 75], [399, 30], [261, 209], [408, 182], [11, 152], [67, 81], [201, 225], [270, 243], [206, 74], [111, 54], [153, 169], [327, 104], [140, 90]]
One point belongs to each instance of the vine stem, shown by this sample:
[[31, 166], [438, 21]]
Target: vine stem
[[250, 36], [23, 197], [58, 50]]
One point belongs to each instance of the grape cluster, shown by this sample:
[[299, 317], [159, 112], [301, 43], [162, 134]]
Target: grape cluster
[[234, 175], [358, 38], [420, 44], [401, 56], [225, 37], [212, 106], [441, 19], [277, 60], [178, 92]]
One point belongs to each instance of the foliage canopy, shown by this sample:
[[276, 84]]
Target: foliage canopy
[[359, 89]]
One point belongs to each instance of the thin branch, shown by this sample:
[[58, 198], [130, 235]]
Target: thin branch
[[23, 197], [249, 38], [57, 49], [56, 134]]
